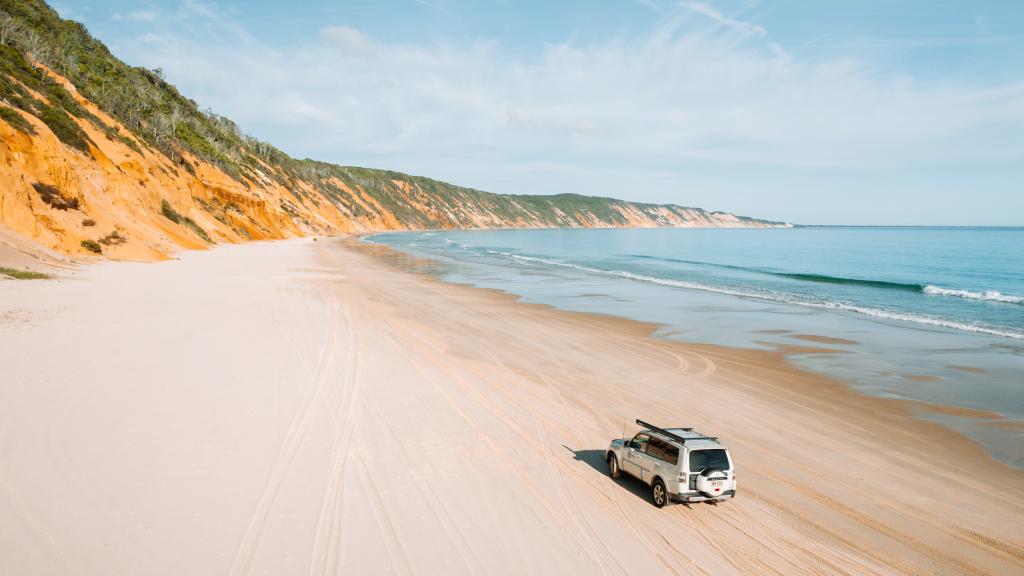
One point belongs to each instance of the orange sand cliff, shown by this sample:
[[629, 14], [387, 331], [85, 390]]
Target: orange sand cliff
[[122, 190]]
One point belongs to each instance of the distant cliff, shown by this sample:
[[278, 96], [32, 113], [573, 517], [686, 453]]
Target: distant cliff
[[99, 157]]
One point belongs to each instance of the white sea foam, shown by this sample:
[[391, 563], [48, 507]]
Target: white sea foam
[[989, 295], [782, 298]]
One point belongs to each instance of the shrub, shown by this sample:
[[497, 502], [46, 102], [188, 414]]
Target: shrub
[[169, 212], [23, 274], [17, 121], [197, 229], [65, 128], [88, 222], [113, 239], [52, 196], [92, 246]]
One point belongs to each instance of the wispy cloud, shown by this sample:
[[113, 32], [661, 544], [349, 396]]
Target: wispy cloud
[[347, 37], [71, 12], [711, 12], [138, 16], [433, 6], [652, 4], [930, 42]]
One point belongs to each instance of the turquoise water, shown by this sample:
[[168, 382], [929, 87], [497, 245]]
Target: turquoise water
[[929, 314]]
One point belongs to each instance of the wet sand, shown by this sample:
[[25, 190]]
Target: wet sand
[[824, 339]]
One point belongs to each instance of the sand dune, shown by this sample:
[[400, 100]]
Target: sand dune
[[307, 408]]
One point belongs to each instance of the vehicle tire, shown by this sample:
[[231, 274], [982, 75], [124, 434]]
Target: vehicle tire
[[659, 494], [613, 466]]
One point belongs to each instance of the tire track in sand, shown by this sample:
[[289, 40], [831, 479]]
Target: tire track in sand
[[392, 542], [890, 531], [556, 511], [588, 538], [1006, 548], [246, 551], [442, 514], [326, 540]]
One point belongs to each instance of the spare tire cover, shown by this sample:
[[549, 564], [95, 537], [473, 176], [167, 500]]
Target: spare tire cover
[[712, 483]]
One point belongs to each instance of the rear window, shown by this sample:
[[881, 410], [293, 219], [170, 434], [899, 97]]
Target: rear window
[[663, 451], [714, 458]]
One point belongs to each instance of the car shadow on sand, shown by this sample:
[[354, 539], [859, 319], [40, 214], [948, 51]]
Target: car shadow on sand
[[595, 459]]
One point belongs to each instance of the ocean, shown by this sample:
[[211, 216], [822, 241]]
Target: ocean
[[934, 315]]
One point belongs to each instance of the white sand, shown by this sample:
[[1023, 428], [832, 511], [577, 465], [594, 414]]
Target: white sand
[[300, 408]]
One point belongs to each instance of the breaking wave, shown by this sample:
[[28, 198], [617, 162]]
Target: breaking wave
[[989, 295], [783, 297], [805, 276]]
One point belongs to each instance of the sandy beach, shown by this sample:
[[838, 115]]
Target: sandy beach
[[309, 407]]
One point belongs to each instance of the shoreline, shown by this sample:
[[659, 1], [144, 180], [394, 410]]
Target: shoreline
[[952, 417], [304, 407], [783, 356]]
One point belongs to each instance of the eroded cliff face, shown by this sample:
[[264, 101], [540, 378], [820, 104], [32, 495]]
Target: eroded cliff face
[[115, 195], [135, 202]]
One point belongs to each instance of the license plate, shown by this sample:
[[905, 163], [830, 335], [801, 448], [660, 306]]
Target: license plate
[[716, 484]]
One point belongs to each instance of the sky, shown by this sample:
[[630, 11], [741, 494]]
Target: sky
[[806, 111]]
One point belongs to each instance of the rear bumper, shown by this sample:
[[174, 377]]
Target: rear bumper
[[698, 497]]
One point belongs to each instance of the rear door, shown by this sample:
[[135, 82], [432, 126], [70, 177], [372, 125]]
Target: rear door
[[657, 459]]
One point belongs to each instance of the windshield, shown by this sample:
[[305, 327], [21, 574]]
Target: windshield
[[715, 459]]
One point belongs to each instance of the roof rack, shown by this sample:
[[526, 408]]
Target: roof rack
[[673, 436]]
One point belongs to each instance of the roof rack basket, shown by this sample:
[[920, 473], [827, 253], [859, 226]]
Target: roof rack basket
[[671, 435]]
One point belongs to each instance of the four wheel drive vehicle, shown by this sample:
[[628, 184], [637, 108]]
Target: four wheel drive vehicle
[[677, 463]]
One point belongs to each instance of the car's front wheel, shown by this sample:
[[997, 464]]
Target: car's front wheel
[[659, 494], [613, 466]]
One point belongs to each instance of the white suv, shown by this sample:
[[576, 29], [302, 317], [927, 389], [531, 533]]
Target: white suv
[[677, 463]]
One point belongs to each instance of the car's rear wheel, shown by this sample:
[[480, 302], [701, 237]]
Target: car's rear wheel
[[613, 466], [659, 494]]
